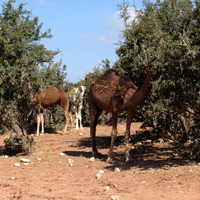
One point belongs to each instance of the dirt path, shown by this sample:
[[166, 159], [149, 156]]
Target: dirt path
[[155, 173]]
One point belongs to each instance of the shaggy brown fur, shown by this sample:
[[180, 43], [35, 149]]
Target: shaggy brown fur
[[114, 93], [48, 98]]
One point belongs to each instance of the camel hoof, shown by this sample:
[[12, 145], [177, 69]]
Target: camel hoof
[[127, 159], [110, 159], [96, 154]]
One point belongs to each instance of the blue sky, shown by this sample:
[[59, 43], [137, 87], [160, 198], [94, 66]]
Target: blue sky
[[84, 30]]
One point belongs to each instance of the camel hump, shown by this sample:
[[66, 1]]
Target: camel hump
[[106, 79], [110, 73], [58, 88], [119, 81]]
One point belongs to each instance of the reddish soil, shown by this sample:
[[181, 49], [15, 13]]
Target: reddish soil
[[156, 171]]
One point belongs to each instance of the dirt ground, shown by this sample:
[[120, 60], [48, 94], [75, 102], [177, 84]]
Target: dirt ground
[[155, 172]]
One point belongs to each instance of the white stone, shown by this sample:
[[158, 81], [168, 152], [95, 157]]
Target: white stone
[[101, 171], [17, 164], [92, 159], [70, 162], [117, 169], [107, 188], [98, 175], [26, 164], [114, 197], [62, 154], [25, 160]]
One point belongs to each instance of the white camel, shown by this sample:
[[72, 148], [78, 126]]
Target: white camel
[[76, 99]]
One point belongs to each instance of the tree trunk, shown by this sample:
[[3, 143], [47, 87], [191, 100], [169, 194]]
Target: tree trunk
[[22, 137]]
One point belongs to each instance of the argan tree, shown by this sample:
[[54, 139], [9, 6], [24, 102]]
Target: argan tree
[[22, 58], [165, 37]]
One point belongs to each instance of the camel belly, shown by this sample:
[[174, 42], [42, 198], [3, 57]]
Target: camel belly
[[107, 103]]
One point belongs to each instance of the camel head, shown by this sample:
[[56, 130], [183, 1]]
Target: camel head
[[150, 73], [82, 88]]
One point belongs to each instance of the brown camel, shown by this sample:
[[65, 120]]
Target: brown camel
[[114, 93], [48, 98]]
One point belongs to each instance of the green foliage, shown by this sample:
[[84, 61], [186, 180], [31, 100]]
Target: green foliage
[[14, 146], [54, 119], [165, 38], [193, 149], [25, 64], [53, 74]]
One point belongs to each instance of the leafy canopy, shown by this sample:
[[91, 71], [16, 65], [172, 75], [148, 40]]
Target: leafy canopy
[[165, 37], [26, 64]]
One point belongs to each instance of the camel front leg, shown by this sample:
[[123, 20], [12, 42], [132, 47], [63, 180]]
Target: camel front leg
[[113, 136], [76, 117], [38, 124], [127, 134], [80, 120], [80, 117]]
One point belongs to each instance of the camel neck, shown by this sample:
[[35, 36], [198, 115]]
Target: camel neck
[[141, 94], [147, 85]]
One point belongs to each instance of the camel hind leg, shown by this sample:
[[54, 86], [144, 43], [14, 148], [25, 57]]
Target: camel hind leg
[[71, 120], [67, 118], [40, 120], [64, 103], [94, 112]]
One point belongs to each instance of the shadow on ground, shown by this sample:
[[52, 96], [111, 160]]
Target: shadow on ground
[[145, 156]]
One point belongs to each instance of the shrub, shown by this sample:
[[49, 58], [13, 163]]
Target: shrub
[[13, 145]]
